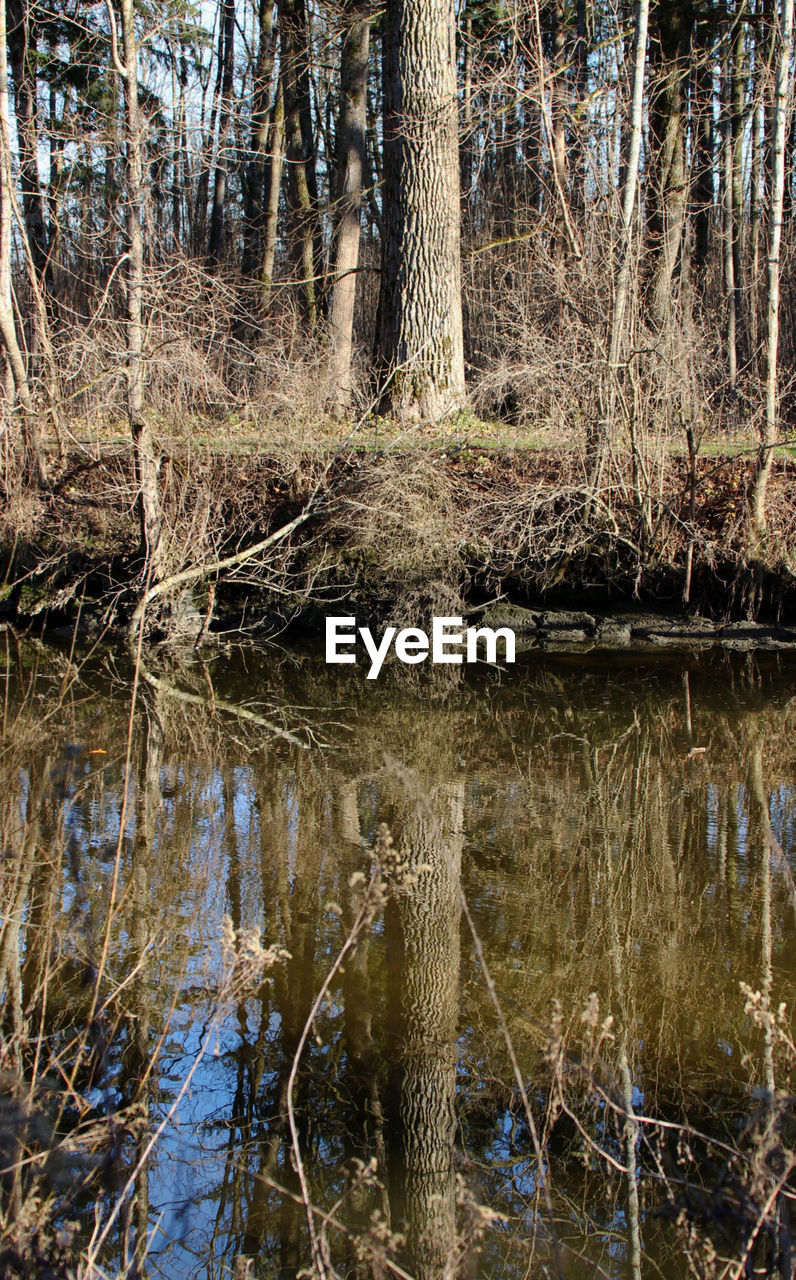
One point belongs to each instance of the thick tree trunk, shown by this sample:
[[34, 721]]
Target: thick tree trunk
[[420, 338], [769, 432], [146, 464], [351, 140]]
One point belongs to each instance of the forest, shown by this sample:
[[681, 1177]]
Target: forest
[[296, 233]]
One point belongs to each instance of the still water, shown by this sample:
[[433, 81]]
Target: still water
[[557, 1046]]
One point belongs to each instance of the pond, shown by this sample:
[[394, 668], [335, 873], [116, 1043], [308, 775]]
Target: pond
[[480, 975]]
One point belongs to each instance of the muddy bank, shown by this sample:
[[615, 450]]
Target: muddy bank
[[402, 536]]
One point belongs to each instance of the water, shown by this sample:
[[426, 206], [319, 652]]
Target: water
[[621, 830]]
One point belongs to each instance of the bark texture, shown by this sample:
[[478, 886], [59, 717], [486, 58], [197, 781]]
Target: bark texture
[[423, 1082], [420, 323]]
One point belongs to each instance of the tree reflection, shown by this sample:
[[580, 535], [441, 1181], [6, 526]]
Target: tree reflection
[[423, 983]]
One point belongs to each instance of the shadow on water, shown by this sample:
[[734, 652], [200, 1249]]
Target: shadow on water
[[623, 830]]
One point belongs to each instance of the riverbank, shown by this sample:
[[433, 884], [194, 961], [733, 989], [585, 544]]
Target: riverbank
[[659, 555]]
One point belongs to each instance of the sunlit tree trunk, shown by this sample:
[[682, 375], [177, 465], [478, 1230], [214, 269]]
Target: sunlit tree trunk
[[737, 124], [33, 461], [757, 192], [420, 339], [769, 431], [350, 166], [146, 463], [273, 186], [558, 109], [597, 438]]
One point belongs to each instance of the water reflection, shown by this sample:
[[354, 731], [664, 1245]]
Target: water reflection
[[623, 832]]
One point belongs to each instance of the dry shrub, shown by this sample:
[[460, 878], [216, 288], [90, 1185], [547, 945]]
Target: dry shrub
[[20, 513], [406, 530]]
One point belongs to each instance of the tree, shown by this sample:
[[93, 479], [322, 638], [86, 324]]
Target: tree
[[146, 465], [33, 459], [22, 45], [420, 325], [350, 167], [670, 56], [769, 431], [227, 67], [302, 187], [263, 131]]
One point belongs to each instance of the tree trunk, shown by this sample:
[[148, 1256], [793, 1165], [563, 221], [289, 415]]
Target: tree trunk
[[420, 337], [631, 181], [769, 432], [215, 250], [351, 140], [757, 193], [668, 186], [255, 210], [33, 462], [146, 464], [730, 293], [299, 137], [703, 200], [22, 50], [737, 122], [558, 107], [273, 187], [466, 146]]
